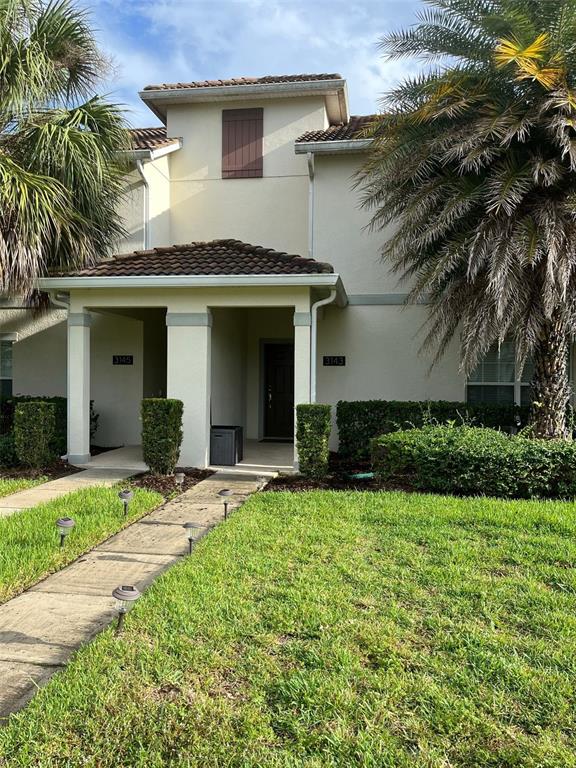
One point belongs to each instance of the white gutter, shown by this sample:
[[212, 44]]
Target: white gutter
[[161, 97], [315, 280], [153, 154], [146, 212], [332, 147], [314, 339], [310, 158]]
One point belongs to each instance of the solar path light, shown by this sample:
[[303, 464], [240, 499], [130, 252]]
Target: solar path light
[[125, 596], [126, 497], [64, 525], [179, 479], [190, 528], [225, 493]]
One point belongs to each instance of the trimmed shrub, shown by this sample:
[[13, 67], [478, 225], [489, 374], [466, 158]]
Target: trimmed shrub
[[34, 426], [59, 443], [360, 421], [8, 456], [475, 461], [312, 435], [161, 433]]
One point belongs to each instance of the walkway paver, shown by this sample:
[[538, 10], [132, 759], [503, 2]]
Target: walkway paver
[[41, 629], [53, 489]]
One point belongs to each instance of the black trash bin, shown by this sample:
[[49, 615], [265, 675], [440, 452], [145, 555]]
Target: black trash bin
[[226, 445]]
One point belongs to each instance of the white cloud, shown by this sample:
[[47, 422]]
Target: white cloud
[[177, 40]]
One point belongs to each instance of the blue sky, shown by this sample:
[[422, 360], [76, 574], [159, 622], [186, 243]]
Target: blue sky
[[151, 41]]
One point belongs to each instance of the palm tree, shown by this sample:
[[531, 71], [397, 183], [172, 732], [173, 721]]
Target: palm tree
[[474, 164], [60, 145]]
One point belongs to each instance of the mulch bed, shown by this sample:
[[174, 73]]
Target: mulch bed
[[338, 479], [57, 469], [165, 484]]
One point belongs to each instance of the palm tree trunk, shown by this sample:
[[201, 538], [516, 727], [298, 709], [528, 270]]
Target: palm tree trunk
[[551, 386]]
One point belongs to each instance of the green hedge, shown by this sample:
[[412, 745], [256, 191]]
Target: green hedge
[[34, 427], [360, 421], [8, 456], [161, 433], [312, 435], [59, 443], [476, 461]]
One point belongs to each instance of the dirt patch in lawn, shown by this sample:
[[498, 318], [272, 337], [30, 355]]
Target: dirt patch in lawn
[[166, 484]]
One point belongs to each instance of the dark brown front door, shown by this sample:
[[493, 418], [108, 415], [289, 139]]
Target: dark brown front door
[[279, 391]]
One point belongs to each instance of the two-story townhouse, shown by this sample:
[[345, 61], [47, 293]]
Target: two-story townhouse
[[249, 282]]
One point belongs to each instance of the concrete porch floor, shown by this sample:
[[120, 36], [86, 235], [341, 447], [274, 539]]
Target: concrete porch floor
[[261, 458]]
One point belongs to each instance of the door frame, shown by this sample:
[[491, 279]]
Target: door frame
[[262, 384]]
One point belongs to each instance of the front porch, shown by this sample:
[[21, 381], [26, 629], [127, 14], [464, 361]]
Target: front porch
[[260, 458], [225, 327]]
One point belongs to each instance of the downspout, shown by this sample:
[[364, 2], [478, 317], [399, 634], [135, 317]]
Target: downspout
[[140, 169], [60, 299], [314, 339], [310, 158]]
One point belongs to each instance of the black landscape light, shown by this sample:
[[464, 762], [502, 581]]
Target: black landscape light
[[179, 479], [64, 525], [124, 596], [126, 497], [190, 528], [225, 493]]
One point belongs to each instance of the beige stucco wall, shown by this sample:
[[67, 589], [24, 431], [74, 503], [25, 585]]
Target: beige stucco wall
[[381, 345], [132, 214], [40, 368], [116, 389], [271, 211], [341, 236], [228, 367], [39, 362], [157, 173]]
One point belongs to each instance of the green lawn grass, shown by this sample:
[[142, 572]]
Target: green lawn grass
[[10, 485], [29, 541], [334, 629]]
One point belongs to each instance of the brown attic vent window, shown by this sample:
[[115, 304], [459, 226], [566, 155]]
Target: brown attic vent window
[[242, 143]]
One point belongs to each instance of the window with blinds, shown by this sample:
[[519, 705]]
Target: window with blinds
[[242, 131], [496, 379]]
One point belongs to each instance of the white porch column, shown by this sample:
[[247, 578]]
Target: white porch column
[[302, 323], [188, 379], [79, 387]]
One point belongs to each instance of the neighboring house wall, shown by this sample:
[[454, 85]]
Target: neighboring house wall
[[39, 362], [157, 173], [132, 214], [271, 211], [40, 368]]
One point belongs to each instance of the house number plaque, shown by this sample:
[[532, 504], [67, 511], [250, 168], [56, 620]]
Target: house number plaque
[[334, 360], [122, 359]]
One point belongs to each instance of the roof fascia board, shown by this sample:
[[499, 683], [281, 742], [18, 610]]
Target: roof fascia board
[[332, 147], [155, 99], [153, 154], [322, 280]]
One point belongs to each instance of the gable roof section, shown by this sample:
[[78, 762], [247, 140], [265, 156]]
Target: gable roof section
[[345, 137], [234, 81], [217, 257], [343, 132], [331, 87], [151, 138]]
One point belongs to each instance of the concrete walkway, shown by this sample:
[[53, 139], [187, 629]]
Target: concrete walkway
[[41, 628], [16, 502]]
